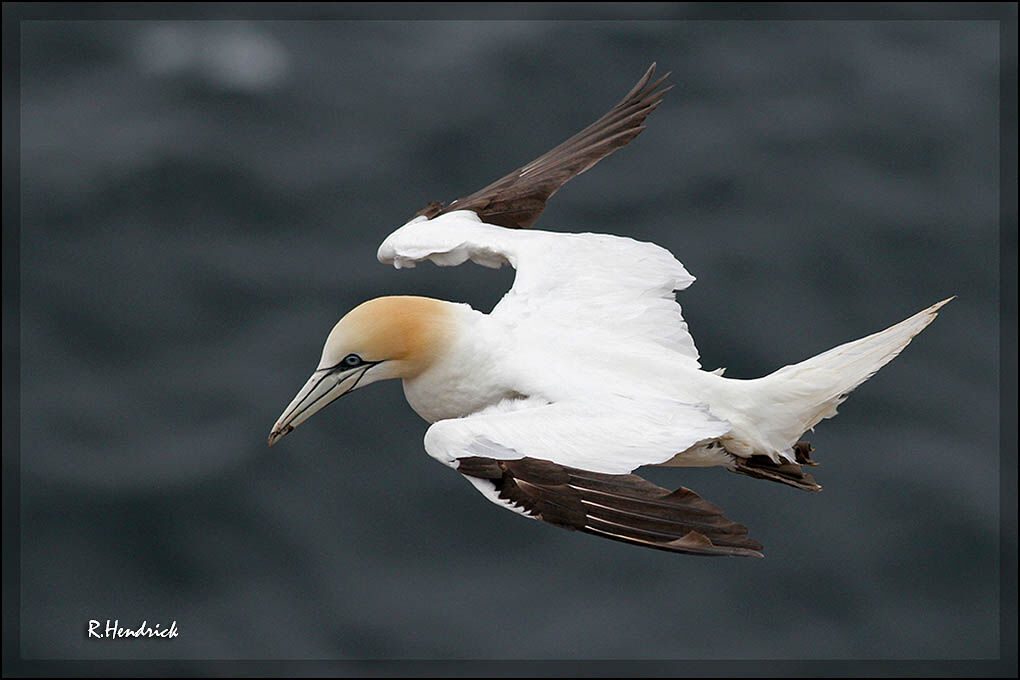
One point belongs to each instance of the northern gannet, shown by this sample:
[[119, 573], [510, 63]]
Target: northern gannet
[[585, 370]]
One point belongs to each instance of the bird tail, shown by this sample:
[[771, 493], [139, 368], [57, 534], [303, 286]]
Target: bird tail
[[798, 397]]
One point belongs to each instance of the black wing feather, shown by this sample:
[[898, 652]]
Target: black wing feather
[[518, 199], [619, 507]]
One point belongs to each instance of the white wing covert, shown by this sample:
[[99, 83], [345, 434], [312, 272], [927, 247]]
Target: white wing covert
[[613, 435], [567, 464], [587, 283]]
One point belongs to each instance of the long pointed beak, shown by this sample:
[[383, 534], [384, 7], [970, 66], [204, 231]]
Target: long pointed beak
[[323, 388]]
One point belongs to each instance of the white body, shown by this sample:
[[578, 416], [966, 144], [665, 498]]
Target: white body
[[585, 370], [587, 360]]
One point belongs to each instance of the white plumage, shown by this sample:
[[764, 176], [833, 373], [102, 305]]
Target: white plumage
[[600, 432], [573, 283], [592, 334], [586, 369]]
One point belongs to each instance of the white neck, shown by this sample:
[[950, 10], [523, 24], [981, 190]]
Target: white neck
[[469, 375]]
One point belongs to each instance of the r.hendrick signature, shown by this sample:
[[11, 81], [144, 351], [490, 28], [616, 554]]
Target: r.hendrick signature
[[114, 630]]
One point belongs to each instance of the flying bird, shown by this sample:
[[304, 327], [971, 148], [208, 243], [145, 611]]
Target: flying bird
[[585, 370]]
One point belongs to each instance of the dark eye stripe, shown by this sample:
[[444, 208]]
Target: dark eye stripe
[[357, 362]]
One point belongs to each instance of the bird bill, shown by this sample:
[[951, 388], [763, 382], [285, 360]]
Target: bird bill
[[324, 387]]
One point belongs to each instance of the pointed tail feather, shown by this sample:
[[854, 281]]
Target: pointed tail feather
[[802, 395]]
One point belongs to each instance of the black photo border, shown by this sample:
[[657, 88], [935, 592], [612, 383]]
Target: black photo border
[[1005, 13]]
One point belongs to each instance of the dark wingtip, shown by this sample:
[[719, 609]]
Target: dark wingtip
[[517, 199], [651, 88], [640, 87]]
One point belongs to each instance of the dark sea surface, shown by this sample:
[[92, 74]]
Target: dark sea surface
[[203, 200]]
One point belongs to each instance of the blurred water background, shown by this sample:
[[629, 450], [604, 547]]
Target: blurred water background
[[203, 200]]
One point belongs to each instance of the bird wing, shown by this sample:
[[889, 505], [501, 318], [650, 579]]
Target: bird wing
[[517, 199], [590, 283], [611, 434], [566, 463]]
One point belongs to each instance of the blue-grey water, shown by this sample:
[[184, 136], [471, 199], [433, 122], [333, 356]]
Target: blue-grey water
[[203, 200]]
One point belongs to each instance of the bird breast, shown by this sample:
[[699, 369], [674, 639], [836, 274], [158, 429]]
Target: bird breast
[[474, 372]]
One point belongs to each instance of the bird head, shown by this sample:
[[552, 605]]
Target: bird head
[[388, 337]]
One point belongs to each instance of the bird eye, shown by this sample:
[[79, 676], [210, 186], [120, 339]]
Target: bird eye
[[352, 360]]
